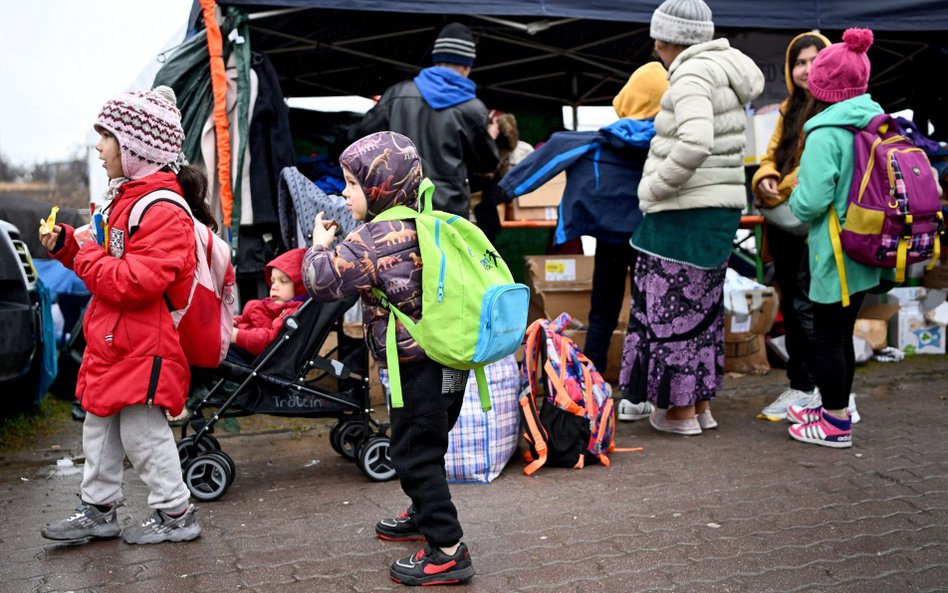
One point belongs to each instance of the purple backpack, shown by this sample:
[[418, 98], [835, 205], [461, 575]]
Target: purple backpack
[[893, 215]]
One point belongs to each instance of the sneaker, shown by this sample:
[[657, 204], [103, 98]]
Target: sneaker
[[827, 432], [706, 421], [804, 415], [86, 523], [400, 529], [854, 416], [777, 410], [433, 567], [160, 527], [660, 421], [811, 411], [629, 412]]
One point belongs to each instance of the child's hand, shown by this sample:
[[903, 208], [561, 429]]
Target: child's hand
[[233, 336], [50, 238], [324, 231], [767, 188]]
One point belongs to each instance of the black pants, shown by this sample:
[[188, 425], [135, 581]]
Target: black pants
[[789, 254], [832, 359], [433, 395], [614, 266]]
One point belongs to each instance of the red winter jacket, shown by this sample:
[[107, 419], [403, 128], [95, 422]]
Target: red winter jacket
[[262, 320], [260, 323], [132, 353]]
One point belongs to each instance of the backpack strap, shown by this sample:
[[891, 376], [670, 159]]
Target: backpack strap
[[148, 200], [834, 230], [534, 432], [391, 347]]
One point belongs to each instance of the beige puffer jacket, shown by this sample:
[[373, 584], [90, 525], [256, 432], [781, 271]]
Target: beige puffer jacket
[[696, 159]]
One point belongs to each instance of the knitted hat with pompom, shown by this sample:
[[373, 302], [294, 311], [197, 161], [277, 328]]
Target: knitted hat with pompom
[[841, 71], [147, 125]]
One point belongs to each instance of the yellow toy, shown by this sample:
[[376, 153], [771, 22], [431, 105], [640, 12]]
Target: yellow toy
[[47, 225]]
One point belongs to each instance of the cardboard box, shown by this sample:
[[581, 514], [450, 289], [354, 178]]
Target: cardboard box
[[563, 283], [873, 322], [937, 277], [915, 334], [376, 392], [762, 306], [613, 359], [911, 330], [540, 204], [746, 353], [757, 134], [745, 343]]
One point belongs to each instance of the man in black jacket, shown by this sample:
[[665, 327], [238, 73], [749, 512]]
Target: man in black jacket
[[439, 111]]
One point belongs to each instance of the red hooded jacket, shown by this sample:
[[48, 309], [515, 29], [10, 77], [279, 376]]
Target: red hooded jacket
[[262, 320], [132, 353]]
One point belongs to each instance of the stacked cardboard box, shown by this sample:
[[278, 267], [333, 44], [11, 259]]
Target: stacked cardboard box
[[540, 204], [563, 283], [745, 348], [914, 328]]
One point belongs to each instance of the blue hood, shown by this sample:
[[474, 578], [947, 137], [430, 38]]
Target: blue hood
[[635, 133], [442, 87]]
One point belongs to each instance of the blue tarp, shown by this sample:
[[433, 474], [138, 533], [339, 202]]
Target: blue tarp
[[58, 278]]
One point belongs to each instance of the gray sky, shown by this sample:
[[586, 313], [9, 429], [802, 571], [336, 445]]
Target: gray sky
[[60, 60]]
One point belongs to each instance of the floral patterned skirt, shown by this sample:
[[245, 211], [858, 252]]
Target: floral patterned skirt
[[674, 348]]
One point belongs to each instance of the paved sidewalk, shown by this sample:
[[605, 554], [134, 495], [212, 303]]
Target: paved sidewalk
[[741, 508]]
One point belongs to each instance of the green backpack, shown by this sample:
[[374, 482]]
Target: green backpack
[[472, 312]]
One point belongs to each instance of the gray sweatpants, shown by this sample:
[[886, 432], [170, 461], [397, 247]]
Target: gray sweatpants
[[142, 433]]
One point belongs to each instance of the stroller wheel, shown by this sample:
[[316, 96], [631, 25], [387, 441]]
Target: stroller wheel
[[208, 476], [345, 438], [226, 459], [375, 461], [188, 450]]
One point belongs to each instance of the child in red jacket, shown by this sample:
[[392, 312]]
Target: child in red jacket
[[262, 320], [134, 371]]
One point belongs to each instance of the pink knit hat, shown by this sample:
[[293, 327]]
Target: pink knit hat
[[147, 125], [841, 71]]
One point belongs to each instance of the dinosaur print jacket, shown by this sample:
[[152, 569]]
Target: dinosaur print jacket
[[377, 254]]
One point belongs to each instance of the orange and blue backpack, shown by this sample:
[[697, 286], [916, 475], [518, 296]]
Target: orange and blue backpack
[[575, 423]]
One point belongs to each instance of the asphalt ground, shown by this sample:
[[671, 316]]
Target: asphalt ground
[[740, 508]]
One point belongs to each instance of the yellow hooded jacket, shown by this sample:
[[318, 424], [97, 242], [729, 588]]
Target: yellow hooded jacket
[[768, 167]]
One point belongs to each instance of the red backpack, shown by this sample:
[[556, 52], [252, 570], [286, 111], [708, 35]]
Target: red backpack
[[893, 214], [211, 300]]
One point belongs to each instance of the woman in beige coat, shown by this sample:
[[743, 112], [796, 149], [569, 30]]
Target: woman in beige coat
[[692, 194]]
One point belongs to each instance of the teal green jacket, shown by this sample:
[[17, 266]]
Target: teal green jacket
[[826, 172]]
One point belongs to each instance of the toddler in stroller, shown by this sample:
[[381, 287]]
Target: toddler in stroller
[[293, 376]]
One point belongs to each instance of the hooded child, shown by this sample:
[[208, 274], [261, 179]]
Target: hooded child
[[384, 170]]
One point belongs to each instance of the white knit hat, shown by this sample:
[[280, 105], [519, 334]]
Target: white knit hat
[[147, 125], [682, 22]]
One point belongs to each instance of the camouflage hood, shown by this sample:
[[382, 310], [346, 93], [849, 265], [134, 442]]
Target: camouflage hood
[[387, 166]]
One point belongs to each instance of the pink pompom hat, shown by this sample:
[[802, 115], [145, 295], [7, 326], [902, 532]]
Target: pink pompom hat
[[841, 71]]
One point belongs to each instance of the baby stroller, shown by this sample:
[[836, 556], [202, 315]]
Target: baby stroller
[[291, 378]]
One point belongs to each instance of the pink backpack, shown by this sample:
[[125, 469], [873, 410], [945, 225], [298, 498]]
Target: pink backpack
[[893, 215], [211, 300]]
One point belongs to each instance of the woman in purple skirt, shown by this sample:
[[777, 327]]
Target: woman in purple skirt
[[692, 193]]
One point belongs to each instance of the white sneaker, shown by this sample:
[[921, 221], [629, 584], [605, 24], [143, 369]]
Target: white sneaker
[[629, 412], [816, 401], [777, 410]]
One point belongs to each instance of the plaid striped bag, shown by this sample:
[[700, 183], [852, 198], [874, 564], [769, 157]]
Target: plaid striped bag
[[481, 443]]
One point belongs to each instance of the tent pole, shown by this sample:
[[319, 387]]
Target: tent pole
[[266, 14]]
